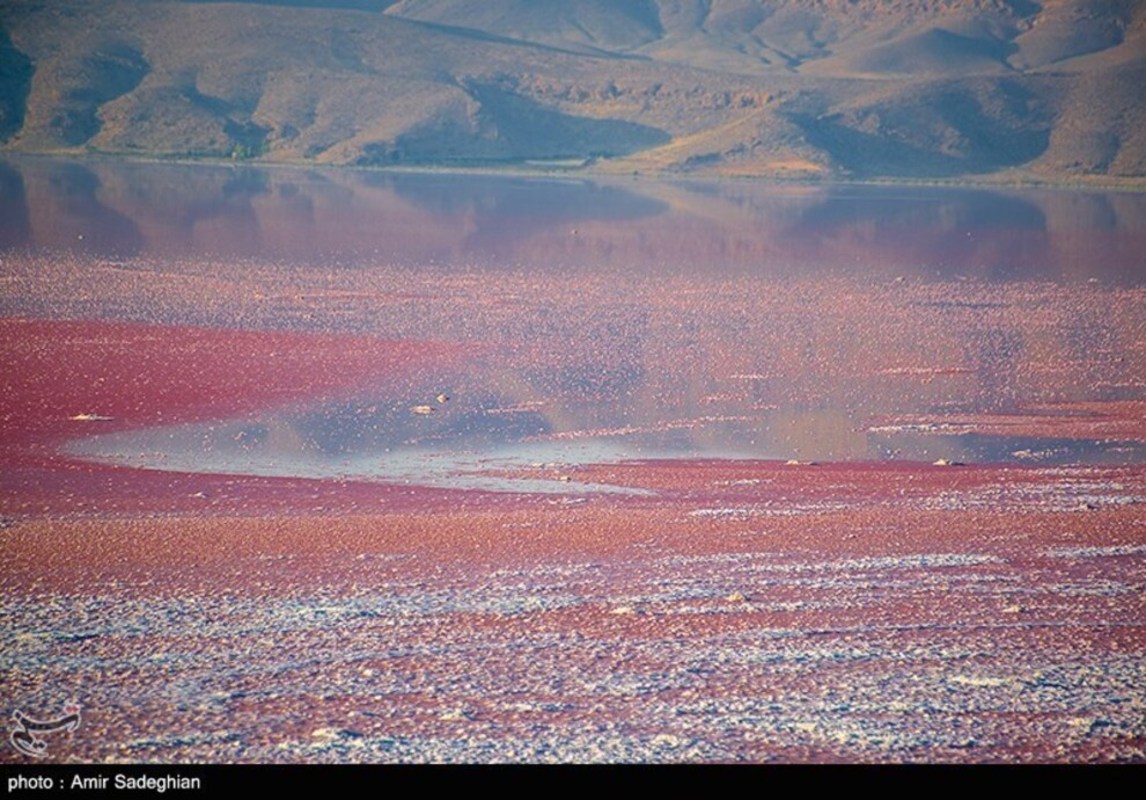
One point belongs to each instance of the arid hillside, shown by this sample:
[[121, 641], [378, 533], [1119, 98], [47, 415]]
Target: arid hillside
[[863, 89]]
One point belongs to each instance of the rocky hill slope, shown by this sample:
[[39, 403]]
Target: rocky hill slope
[[867, 89]]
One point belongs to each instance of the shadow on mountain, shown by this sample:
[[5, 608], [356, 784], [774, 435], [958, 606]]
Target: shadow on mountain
[[343, 5], [107, 74], [952, 130], [533, 131], [934, 51], [601, 27], [510, 128], [15, 84], [1066, 30]]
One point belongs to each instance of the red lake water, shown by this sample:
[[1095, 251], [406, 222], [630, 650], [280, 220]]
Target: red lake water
[[388, 467], [593, 322]]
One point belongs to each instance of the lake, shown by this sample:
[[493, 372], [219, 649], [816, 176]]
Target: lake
[[603, 321], [392, 467]]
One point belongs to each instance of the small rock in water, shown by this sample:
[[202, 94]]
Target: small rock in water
[[944, 462], [1090, 724], [422, 410], [458, 715], [330, 734]]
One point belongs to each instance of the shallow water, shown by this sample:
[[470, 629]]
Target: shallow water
[[605, 321], [345, 219]]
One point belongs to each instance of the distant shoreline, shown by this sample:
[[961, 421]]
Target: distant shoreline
[[1005, 180]]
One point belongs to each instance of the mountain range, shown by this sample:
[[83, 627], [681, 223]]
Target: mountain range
[[996, 90]]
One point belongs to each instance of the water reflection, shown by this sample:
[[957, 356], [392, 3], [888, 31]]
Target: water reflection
[[347, 218], [15, 228], [606, 320], [465, 429]]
